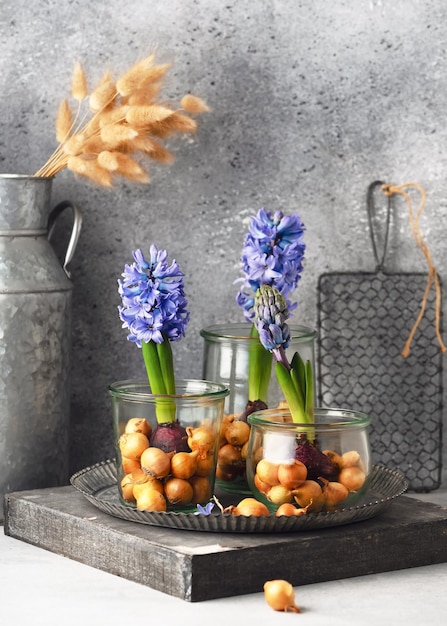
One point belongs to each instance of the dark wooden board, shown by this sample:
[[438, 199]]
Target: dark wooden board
[[197, 566]]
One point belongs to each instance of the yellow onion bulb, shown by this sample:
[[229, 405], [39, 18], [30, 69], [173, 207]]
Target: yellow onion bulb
[[130, 465], [150, 500], [184, 464], [229, 458], [290, 509], [334, 493], [225, 476], [353, 478], [310, 494], [334, 457], [200, 439], [132, 445], [292, 475], [227, 419], [201, 489], [267, 472], [257, 455], [237, 433], [156, 462], [261, 485], [286, 509], [138, 425], [280, 596], [149, 483], [244, 451], [205, 465], [278, 494], [178, 491], [129, 481], [250, 506], [351, 459]]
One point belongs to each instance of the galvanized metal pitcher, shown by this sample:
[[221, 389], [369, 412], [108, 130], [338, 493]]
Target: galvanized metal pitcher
[[35, 342]]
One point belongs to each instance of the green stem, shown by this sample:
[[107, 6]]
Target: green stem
[[153, 369], [156, 371], [166, 361], [259, 368]]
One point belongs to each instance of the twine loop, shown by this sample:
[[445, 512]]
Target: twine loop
[[432, 278]]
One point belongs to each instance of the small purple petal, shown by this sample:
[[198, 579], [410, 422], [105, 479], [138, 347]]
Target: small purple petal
[[204, 510]]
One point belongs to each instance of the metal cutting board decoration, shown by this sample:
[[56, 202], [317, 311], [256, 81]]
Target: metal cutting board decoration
[[380, 351]]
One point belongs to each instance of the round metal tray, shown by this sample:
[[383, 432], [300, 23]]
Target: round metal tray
[[98, 484]]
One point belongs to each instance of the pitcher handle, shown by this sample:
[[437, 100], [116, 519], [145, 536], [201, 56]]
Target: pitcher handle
[[75, 232]]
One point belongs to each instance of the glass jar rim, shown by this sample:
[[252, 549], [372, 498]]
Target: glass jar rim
[[203, 389], [335, 418], [240, 331]]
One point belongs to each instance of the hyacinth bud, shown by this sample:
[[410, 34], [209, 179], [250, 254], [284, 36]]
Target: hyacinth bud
[[270, 305], [271, 313]]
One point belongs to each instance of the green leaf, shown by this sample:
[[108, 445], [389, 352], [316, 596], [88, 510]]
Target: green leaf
[[309, 405], [299, 390], [297, 365], [291, 394]]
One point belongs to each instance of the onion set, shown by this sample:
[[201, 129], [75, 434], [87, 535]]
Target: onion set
[[294, 486], [280, 596], [155, 480]]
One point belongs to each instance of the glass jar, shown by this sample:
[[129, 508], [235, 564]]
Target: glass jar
[[225, 359], [316, 467], [166, 445]]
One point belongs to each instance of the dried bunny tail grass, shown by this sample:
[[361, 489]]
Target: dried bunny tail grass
[[194, 104], [145, 95], [115, 134], [152, 149], [74, 144], [147, 146], [90, 168], [79, 89], [181, 123], [142, 116], [123, 165], [64, 121], [113, 116], [92, 126], [140, 74], [108, 160], [176, 123], [118, 121], [155, 74], [93, 145], [103, 96]]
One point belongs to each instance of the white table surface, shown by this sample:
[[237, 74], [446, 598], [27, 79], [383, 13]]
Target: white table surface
[[38, 587]]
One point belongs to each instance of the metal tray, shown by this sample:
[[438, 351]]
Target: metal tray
[[98, 484]]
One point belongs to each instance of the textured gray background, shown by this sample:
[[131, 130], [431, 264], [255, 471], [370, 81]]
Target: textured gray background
[[311, 101]]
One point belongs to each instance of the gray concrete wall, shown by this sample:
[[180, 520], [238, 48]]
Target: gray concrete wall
[[311, 101]]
